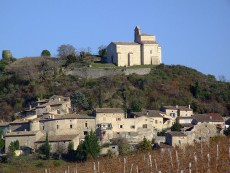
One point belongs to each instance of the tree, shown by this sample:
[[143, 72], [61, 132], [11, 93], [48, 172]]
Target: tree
[[7, 55], [123, 145], [176, 127], [46, 53], [2, 143], [145, 144], [102, 51], [162, 133], [79, 101], [70, 59], [71, 153], [81, 153], [91, 144], [46, 148], [136, 105], [14, 145], [65, 50]]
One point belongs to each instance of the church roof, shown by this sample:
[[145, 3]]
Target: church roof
[[125, 43], [146, 34]]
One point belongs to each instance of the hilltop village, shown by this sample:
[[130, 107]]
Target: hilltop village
[[55, 119], [54, 116]]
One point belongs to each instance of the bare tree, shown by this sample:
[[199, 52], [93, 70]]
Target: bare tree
[[65, 50]]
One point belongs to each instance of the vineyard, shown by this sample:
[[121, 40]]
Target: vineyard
[[213, 157]]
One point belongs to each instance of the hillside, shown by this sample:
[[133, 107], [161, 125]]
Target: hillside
[[22, 83]]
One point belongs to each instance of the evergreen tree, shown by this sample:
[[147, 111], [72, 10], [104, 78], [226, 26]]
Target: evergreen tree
[[176, 127], [145, 144], [46, 148], [46, 53], [2, 143], [91, 144]]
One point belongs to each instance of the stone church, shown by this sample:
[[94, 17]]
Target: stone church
[[144, 50]]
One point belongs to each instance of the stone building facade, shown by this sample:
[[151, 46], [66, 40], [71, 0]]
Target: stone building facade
[[144, 50]]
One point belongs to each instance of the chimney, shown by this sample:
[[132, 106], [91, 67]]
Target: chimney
[[189, 107], [59, 99], [30, 107], [147, 113], [210, 117], [177, 106]]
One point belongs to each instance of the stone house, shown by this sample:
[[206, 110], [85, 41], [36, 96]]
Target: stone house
[[25, 138], [201, 132], [210, 118], [59, 143], [176, 139], [55, 105], [113, 123], [70, 124], [144, 50], [177, 111]]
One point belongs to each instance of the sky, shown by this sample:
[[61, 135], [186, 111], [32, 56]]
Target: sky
[[191, 33]]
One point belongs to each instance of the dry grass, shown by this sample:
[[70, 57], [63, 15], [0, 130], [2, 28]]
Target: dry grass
[[31, 67], [173, 161]]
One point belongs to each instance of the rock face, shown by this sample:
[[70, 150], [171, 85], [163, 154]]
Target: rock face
[[91, 73]]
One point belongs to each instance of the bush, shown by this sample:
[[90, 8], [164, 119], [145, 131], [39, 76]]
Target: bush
[[176, 127], [145, 144], [46, 53]]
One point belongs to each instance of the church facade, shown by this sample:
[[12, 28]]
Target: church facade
[[143, 51]]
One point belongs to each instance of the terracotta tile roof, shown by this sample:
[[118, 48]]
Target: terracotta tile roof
[[201, 118], [148, 113], [109, 110], [211, 117], [215, 117], [125, 43], [57, 138], [21, 133], [177, 134]]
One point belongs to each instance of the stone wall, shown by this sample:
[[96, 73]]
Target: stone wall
[[93, 73]]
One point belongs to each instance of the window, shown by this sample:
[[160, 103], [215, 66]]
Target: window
[[156, 122], [85, 132], [43, 128], [57, 126], [118, 119], [179, 142], [86, 125], [151, 51], [144, 126], [71, 126], [172, 114], [132, 126], [121, 126]]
